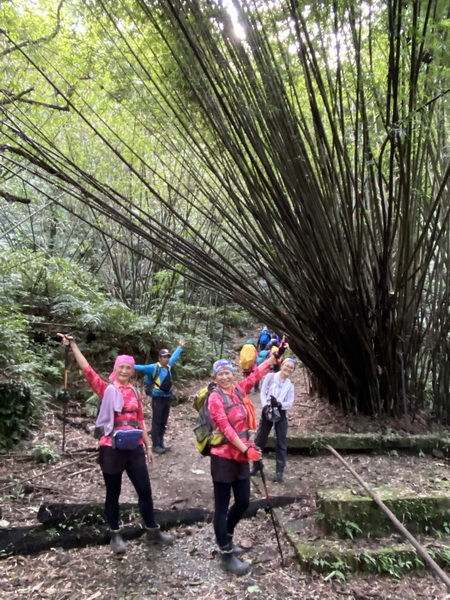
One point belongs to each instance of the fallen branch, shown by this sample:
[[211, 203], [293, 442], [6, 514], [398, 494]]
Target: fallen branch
[[420, 549], [79, 525], [93, 513], [82, 471]]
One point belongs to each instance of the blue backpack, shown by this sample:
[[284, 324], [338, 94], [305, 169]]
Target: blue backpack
[[262, 356], [264, 338]]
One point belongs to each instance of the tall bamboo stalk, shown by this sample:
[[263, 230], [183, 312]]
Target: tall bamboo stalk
[[301, 171]]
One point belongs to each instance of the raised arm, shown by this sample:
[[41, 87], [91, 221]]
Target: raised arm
[[247, 384], [68, 340], [177, 351], [94, 380]]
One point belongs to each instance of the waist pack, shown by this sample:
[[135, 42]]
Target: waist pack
[[126, 439]]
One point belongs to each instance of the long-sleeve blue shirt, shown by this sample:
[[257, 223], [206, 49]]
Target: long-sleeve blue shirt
[[163, 371]]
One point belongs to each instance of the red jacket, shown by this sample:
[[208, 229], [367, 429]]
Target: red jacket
[[236, 420], [130, 403]]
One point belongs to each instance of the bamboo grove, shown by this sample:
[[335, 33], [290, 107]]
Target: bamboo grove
[[294, 157]]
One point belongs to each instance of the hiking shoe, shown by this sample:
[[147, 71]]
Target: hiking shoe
[[154, 536], [117, 544], [278, 478], [159, 450], [166, 448], [232, 564]]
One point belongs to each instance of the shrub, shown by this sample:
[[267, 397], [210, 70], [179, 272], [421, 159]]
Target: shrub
[[19, 411]]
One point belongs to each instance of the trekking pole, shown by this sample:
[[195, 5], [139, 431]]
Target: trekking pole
[[270, 509], [63, 396]]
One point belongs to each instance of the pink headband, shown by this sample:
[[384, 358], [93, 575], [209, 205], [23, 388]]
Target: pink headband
[[122, 358]]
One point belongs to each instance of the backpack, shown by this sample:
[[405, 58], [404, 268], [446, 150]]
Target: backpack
[[165, 385], [262, 356], [247, 356], [205, 434], [264, 338]]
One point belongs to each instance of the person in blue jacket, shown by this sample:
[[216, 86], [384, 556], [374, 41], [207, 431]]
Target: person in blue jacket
[[264, 339], [158, 386]]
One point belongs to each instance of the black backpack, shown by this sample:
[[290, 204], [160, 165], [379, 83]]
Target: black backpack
[[165, 385]]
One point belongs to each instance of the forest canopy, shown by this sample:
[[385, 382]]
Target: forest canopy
[[290, 156]]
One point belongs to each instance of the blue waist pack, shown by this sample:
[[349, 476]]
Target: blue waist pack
[[126, 439]]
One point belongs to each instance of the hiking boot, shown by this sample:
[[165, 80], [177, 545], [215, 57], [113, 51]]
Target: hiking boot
[[256, 468], [154, 536], [117, 544], [236, 550], [159, 450], [166, 448], [232, 564], [278, 477]]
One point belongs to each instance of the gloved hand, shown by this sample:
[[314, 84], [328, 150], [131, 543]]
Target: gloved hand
[[274, 402], [254, 453], [281, 350]]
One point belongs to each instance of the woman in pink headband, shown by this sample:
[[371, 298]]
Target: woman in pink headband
[[121, 410]]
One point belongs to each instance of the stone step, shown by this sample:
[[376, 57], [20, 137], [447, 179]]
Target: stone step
[[337, 558], [316, 442], [351, 514]]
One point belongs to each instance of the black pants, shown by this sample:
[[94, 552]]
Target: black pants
[[160, 416], [137, 471], [226, 520], [280, 433]]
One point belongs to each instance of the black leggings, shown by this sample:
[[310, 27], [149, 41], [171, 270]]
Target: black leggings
[[226, 520], [141, 481]]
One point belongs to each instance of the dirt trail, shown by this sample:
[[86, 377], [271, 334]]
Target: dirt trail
[[180, 479]]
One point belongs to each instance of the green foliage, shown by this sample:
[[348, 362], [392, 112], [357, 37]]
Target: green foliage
[[334, 566], [13, 337], [19, 411], [393, 563], [38, 289], [50, 285], [91, 405], [347, 529], [46, 454]]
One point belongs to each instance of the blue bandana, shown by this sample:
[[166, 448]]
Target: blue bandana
[[291, 360], [221, 364]]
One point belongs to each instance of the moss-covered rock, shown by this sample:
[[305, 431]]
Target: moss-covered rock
[[316, 442], [347, 513], [337, 558]]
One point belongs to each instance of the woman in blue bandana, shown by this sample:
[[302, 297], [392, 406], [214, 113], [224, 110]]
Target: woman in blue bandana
[[230, 461]]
